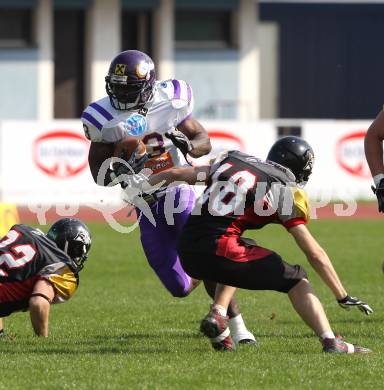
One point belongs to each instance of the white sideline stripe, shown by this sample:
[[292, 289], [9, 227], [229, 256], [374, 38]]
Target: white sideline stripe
[[221, 336], [351, 348]]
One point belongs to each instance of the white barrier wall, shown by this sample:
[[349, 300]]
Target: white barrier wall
[[250, 137], [46, 163], [341, 170]]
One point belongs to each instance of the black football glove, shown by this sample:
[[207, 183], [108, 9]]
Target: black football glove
[[180, 140], [379, 192], [348, 302], [132, 165]]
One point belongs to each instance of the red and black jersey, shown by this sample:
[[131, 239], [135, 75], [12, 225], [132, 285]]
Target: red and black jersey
[[27, 255], [243, 193], [25, 251]]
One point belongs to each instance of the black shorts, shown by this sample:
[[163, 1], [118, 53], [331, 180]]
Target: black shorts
[[270, 272]]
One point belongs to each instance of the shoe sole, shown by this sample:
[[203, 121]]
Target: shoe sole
[[221, 347], [362, 350], [247, 342]]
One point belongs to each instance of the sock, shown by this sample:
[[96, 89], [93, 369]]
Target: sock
[[327, 335], [221, 309], [237, 325]]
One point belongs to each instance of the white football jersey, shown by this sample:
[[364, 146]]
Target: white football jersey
[[172, 103]]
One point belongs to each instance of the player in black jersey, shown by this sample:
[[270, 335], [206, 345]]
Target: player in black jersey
[[242, 193], [37, 270]]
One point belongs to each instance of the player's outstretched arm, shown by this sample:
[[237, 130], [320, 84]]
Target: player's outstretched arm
[[39, 306], [1, 327], [321, 263], [318, 259], [190, 175], [197, 135]]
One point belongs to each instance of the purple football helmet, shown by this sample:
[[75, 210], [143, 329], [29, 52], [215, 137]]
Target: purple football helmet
[[130, 80]]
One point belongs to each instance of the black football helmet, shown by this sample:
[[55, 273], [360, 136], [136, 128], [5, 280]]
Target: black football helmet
[[295, 154], [130, 80], [73, 237]]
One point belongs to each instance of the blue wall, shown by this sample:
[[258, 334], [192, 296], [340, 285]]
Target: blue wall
[[214, 78], [18, 84]]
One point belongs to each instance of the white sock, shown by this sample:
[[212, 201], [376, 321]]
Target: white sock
[[237, 325], [327, 335], [221, 309]]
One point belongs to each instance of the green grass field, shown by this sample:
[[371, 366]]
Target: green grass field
[[122, 330]]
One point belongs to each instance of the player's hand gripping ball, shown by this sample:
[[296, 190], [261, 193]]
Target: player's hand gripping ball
[[130, 156]]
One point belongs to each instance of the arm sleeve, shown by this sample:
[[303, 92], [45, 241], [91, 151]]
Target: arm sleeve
[[295, 208], [64, 283], [182, 100], [113, 132], [92, 131]]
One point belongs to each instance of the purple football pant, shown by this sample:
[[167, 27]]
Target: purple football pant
[[160, 241]]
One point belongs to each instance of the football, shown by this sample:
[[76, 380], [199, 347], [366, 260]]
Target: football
[[127, 146]]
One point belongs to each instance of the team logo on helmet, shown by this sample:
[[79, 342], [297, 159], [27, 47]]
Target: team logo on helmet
[[120, 69], [142, 70], [310, 161]]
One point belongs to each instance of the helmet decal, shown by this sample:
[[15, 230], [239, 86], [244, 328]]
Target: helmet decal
[[311, 160], [120, 69], [119, 79], [142, 70]]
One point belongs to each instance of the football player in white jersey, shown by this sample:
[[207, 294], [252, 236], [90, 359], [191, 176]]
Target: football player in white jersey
[[158, 112]]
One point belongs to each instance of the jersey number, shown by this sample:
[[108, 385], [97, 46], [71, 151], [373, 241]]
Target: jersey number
[[156, 142], [19, 255], [227, 197]]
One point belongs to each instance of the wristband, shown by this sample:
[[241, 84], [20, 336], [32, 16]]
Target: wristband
[[342, 300], [377, 178]]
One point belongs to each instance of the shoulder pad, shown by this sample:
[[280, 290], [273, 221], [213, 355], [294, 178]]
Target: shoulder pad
[[94, 117], [176, 90], [182, 91], [215, 162]]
